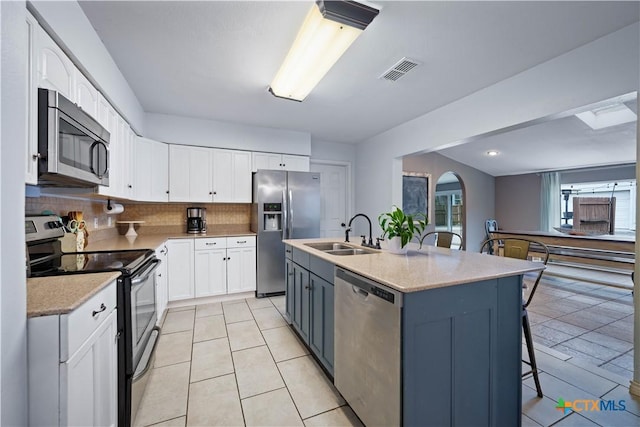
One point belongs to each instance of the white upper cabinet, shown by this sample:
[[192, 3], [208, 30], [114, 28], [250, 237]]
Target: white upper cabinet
[[86, 95], [55, 69], [189, 174], [31, 170], [231, 171], [275, 161], [200, 174], [151, 171]]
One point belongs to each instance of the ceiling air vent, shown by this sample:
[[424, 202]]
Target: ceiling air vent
[[399, 69]]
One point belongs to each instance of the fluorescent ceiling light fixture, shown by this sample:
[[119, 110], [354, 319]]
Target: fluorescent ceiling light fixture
[[327, 32], [611, 115], [492, 153]]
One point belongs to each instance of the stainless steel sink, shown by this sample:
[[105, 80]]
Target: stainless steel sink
[[328, 246], [350, 251]]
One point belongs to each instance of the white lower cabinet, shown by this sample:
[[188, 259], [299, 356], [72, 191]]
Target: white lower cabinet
[[241, 264], [180, 269], [216, 266], [162, 285], [210, 267], [73, 364]]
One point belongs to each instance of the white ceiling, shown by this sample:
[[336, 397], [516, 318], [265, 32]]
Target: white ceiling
[[560, 144], [215, 59]]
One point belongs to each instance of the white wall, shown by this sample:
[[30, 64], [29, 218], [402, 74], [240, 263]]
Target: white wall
[[13, 299], [213, 133], [599, 70], [70, 28], [327, 150], [478, 187]]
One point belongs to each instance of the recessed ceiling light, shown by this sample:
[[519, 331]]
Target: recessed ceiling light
[[492, 153]]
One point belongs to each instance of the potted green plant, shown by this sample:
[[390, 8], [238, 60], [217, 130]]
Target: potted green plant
[[400, 228]]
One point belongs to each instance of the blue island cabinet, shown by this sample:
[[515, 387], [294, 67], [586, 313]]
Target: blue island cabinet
[[309, 302], [461, 355]]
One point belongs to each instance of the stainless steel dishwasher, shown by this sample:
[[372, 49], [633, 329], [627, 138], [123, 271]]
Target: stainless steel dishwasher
[[367, 348]]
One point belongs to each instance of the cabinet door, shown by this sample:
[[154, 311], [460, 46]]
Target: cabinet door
[[321, 328], [210, 272], [190, 174], [295, 163], [222, 175], [241, 177], [160, 172], [86, 95], [162, 291], [88, 379], [128, 166], [55, 69], [31, 171], [180, 269], [241, 269], [144, 169], [266, 161], [289, 288], [301, 301], [179, 173]]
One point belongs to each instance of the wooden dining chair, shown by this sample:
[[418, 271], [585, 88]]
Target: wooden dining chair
[[519, 249], [443, 238]]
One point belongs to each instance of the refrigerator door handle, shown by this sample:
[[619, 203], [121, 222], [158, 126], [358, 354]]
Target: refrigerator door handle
[[290, 213], [285, 215]]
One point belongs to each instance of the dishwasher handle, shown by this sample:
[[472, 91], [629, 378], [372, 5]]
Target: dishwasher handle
[[365, 287]]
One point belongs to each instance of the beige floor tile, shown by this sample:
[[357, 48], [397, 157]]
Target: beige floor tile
[[274, 408], [184, 308], [244, 335], [311, 390], [175, 422], [258, 303], [280, 303], [165, 397], [215, 402], [204, 310], [211, 359], [342, 416], [238, 312], [256, 371], [178, 321], [234, 301], [209, 328], [284, 344], [268, 318], [173, 348]]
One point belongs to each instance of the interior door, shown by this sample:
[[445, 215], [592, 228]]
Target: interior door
[[333, 198]]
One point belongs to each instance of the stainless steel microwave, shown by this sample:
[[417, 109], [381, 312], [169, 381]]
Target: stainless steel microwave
[[73, 148]]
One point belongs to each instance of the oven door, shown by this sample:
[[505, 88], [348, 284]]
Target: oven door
[[143, 308]]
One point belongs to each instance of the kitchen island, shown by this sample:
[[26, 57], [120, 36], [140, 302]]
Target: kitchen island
[[456, 356]]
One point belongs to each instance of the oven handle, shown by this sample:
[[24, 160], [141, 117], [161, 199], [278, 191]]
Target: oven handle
[[145, 275]]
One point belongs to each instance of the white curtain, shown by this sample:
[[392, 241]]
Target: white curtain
[[550, 208]]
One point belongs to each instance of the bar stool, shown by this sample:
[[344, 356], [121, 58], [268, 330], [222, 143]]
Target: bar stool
[[443, 238], [519, 248]]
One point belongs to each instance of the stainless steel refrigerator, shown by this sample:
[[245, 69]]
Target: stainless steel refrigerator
[[286, 205]]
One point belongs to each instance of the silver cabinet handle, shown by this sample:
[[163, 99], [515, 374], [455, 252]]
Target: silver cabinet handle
[[241, 241], [210, 244]]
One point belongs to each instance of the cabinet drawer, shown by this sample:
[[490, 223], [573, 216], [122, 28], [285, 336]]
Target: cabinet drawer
[[78, 325], [241, 241], [210, 243]]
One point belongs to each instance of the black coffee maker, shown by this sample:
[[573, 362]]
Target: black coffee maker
[[196, 220]]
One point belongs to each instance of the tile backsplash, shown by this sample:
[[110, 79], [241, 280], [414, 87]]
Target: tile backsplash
[[156, 216]]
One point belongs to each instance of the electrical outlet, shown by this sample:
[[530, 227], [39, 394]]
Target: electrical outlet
[[109, 221], [95, 223]]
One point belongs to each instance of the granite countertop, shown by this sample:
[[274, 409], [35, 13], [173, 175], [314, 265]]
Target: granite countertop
[[62, 294], [152, 241], [428, 268]]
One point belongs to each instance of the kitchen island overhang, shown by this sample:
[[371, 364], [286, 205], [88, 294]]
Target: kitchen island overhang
[[461, 333]]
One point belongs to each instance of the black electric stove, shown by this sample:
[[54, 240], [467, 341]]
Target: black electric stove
[[89, 262]]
